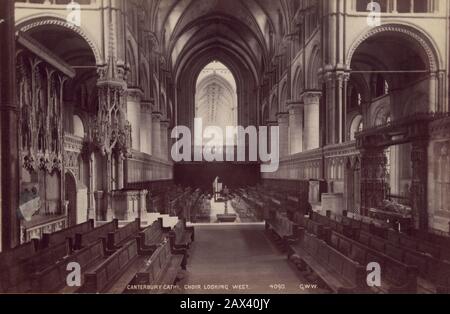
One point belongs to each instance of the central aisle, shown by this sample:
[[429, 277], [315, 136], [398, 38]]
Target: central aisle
[[239, 255]]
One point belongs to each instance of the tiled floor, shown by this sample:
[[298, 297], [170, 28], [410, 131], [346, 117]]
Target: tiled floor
[[226, 255]]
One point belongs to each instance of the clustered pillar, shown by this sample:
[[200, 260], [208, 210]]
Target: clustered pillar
[[146, 127], [156, 134], [311, 118], [295, 127], [283, 124], [10, 125], [164, 125]]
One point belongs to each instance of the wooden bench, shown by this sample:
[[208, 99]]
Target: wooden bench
[[181, 236], [19, 253], [49, 239], [162, 269], [152, 236], [281, 226], [338, 272], [430, 268], [122, 235], [320, 230], [397, 277], [85, 239], [116, 272], [54, 278], [437, 239], [12, 257], [415, 244], [17, 276], [335, 225]]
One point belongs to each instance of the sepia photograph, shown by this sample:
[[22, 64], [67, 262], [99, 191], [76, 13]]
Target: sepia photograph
[[243, 148]]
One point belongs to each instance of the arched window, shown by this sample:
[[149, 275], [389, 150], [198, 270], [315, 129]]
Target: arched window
[[216, 97]]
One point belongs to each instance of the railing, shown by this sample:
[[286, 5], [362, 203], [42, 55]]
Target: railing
[[48, 226], [407, 120], [145, 168]]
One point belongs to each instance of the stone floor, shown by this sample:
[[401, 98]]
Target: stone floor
[[239, 258]]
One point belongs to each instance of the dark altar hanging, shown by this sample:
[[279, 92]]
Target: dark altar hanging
[[40, 79]]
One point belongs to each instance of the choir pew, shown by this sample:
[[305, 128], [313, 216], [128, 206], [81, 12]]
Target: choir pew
[[432, 270], [335, 225], [318, 229], [398, 277], [162, 269], [16, 277], [126, 266], [49, 239], [282, 227], [116, 271], [181, 236], [420, 245], [19, 253], [85, 239], [53, 279], [152, 236], [339, 273], [123, 235]]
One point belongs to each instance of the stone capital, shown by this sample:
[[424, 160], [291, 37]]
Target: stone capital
[[134, 94], [156, 116], [146, 106], [294, 105], [271, 123], [282, 117], [165, 123], [311, 97]]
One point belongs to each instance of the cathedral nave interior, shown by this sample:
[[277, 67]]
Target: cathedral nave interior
[[93, 91]]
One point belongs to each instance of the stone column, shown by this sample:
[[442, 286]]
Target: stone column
[[156, 134], [283, 123], [336, 86], [394, 175], [120, 171], [419, 162], [91, 200], [433, 92], [10, 224], [142, 203], [107, 196], [296, 133], [164, 125], [146, 127], [311, 128], [134, 116], [99, 205]]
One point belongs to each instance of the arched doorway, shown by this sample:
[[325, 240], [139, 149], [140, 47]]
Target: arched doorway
[[396, 63], [70, 198]]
